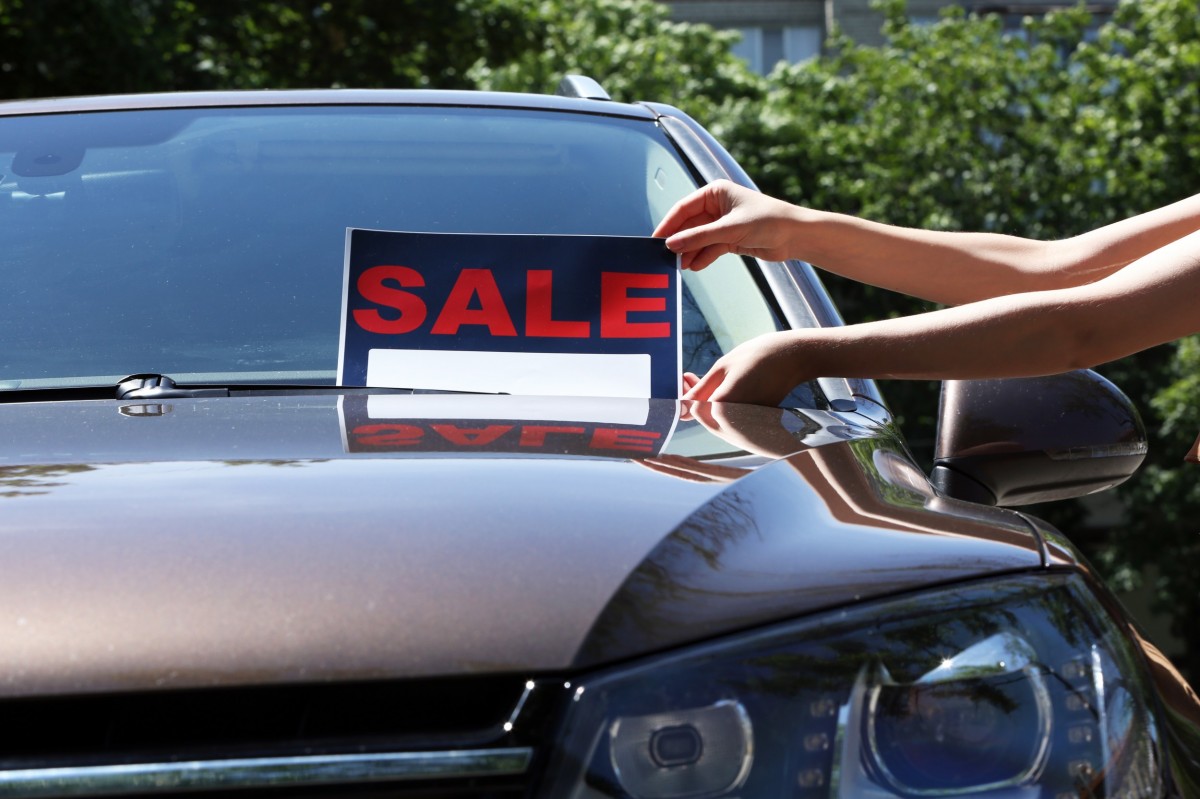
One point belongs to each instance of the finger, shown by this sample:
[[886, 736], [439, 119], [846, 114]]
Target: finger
[[695, 209], [702, 413], [690, 379], [700, 235], [737, 391], [706, 385], [670, 226], [695, 261], [722, 389], [705, 204], [722, 393]]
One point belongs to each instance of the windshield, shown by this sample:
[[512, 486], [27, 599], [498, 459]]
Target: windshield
[[209, 244]]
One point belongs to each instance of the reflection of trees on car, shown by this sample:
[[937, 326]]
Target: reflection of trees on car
[[26, 481]]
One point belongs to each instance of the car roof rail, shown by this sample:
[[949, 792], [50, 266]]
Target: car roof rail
[[581, 86]]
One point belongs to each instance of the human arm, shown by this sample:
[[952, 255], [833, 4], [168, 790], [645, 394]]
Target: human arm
[[1148, 302], [945, 267]]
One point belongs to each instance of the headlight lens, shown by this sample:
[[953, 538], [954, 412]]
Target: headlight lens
[[1020, 688], [980, 719]]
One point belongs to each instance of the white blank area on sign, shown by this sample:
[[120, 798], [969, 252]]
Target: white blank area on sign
[[529, 373]]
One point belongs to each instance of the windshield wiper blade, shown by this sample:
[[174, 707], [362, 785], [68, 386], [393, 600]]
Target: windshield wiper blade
[[153, 386], [156, 386]]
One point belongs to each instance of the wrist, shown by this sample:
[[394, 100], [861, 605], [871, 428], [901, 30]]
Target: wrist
[[802, 356], [806, 232]]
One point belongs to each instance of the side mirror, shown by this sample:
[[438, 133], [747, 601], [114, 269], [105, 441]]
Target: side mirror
[[1035, 439]]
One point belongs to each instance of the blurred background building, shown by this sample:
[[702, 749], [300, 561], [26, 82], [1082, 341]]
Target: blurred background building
[[793, 30]]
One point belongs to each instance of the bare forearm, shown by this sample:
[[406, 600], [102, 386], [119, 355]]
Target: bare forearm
[[1036, 333], [1019, 336], [1147, 303], [946, 267], [954, 268], [1002, 337]]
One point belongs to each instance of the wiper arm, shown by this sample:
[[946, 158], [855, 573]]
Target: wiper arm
[[139, 386], [151, 386], [156, 387]]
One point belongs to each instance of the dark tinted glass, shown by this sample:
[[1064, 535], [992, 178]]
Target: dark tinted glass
[[209, 244]]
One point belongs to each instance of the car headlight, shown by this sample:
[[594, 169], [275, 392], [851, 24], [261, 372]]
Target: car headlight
[[1018, 688]]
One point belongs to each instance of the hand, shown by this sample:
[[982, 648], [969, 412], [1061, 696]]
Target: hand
[[724, 217], [760, 372]]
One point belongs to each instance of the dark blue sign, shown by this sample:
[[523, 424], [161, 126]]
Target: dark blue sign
[[518, 314]]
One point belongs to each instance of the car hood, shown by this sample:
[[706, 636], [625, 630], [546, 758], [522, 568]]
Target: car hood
[[271, 539]]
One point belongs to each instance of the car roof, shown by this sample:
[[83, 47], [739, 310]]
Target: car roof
[[324, 97]]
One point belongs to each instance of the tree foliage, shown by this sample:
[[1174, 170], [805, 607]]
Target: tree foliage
[[67, 47], [359, 43], [629, 46], [57, 47]]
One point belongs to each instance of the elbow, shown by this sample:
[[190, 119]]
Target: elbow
[[1088, 345], [1069, 337], [1062, 265]]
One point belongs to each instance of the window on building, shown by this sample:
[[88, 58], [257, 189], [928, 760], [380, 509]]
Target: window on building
[[764, 47]]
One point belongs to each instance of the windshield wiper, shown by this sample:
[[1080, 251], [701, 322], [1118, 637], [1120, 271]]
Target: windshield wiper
[[156, 386], [152, 386]]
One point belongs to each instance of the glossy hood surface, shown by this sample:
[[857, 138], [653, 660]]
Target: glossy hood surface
[[283, 538]]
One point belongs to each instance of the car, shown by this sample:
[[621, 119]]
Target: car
[[230, 569]]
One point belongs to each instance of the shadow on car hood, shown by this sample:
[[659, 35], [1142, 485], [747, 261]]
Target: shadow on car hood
[[273, 539]]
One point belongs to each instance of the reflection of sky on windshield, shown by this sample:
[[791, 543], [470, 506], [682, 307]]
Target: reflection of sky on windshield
[[170, 210]]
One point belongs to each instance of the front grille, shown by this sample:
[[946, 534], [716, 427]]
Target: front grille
[[465, 737]]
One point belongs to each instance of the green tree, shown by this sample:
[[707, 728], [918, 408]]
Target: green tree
[[66, 47], [630, 46], [348, 43], [69, 47]]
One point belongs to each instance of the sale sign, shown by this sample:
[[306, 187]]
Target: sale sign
[[516, 314]]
